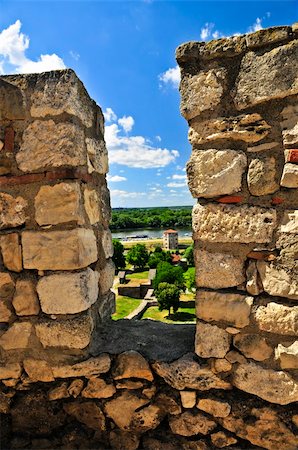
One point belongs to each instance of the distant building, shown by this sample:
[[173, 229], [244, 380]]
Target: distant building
[[170, 239]]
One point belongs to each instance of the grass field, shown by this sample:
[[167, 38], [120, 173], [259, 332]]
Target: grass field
[[138, 275], [186, 312], [124, 306]]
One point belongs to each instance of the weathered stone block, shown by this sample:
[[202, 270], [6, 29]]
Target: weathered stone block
[[88, 368], [7, 285], [87, 413], [262, 147], [10, 370], [253, 346], [289, 125], [98, 388], [214, 407], [222, 440], [132, 364], [215, 172], [289, 222], [91, 203], [267, 36], [62, 93], [188, 398], [17, 336], [59, 250], [211, 341], [277, 281], [68, 293], [201, 92], [12, 211], [38, 370], [250, 128], [107, 277], [189, 424], [233, 309], [261, 177], [25, 301], [106, 305], [228, 223], [225, 47], [69, 333], [278, 78], [289, 177], [97, 156], [270, 385], [253, 284], [121, 409], [58, 204], [277, 318], [6, 313], [218, 270], [11, 252], [107, 243], [288, 356], [47, 144]]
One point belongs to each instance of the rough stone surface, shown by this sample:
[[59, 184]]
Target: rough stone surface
[[107, 243], [233, 309], [121, 409], [289, 177], [186, 373], [214, 407], [289, 223], [68, 293], [289, 125], [188, 398], [211, 341], [58, 204], [227, 223], [277, 281], [188, 424], [277, 318], [267, 36], [261, 177], [220, 365], [7, 285], [87, 413], [75, 388], [10, 370], [253, 346], [97, 156], [70, 333], [6, 313], [25, 301], [147, 419], [17, 336], [88, 368], [11, 252], [262, 147], [47, 145], [107, 277], [201, 92], [38, 370], [59, 392], [12, 211], [59, 250], [278, 79], [120, 440], [98, 388], [215, 172], [91, 203], [270, 385], [250, 128], [132, 365], [218, 270], [288, 356], [222, 440], [253, 284]]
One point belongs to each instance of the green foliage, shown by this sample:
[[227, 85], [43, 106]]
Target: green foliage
[[118, 257], [166, 273], [123, 218], [138, 256], [188, 254], [190, 279], [168, 297], [158, 256]]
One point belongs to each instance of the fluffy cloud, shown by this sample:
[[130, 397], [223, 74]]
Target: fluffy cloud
[[170, 77], [256, 26], [207, 32], [117, 193], [109, 115], [115, 178], [178, 177], [13, 46], [175, 184], [127, 123], [135, 151]]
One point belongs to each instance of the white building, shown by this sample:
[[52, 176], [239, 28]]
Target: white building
[[170, 239]]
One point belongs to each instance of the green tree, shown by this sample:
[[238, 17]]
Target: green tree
[[138, 256], [118, 257], [188, 254], [190, 279], [158, 256], [166, 273], [168, 296]]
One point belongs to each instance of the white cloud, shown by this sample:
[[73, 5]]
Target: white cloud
[[135, 151], [126, 122], [170, 77], [178, 177], [174, 184], [115, 178], [125, 194], [158, 138], [256, 26], [109, 115], [74, 55], [206, 31], [13, 59]]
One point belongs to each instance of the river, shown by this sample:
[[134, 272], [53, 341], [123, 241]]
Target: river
[[153, 233]]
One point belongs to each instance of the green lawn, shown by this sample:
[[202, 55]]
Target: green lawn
[[186, 312], [138, 275], [124, 306]]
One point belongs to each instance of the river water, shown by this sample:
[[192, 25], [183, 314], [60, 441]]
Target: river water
[[153, 233]]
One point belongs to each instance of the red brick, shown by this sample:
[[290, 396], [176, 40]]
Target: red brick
[[21, 179], [292, 156], [230, 199], [277, 200], [9, 139]]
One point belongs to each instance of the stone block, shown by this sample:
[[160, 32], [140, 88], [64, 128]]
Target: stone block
[[211, 341], [220, 365], [262, 147], [189, 424], [289, 178], [278, 79], [201, 92], [48, 145], [91, 203], [233, 309], [87, 413], [98, 388], [289, 125], [6, 313], [10, 370], [11, 252], [59, 250], [106, 305], [132, 364], [222, 440], [277, 318], [261, 177], [60, 203], [69, 333], [215, 172], [188, 398], [277, 281], [68, 293], [224, 47], [216, 408], [107, 277], [229, 223], [25, 301], [107, 243], [12, 211], [267, 36], [97, 156], [38, 370], [61, 92], [88, 368], [288, 356], [17, 336], [249, 128], [253, 284], [218, 270], [253, 346], [12, 102], [7, 285], [121, 409], [289, 222], [291, 155], [270, 385], [75, 388]]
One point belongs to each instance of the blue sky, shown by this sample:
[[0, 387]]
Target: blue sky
[[124, 52]]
